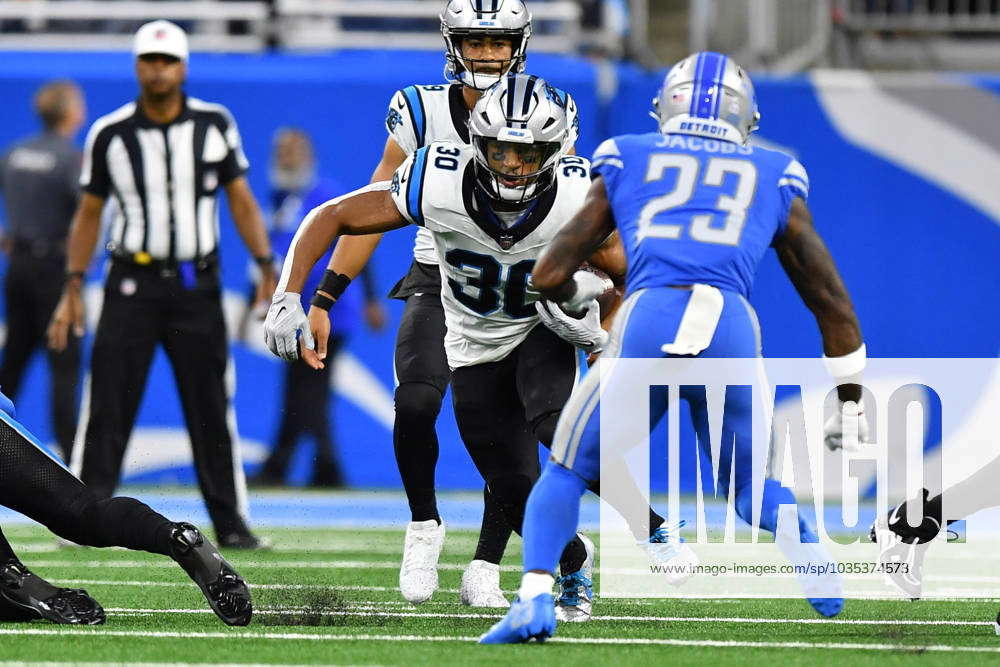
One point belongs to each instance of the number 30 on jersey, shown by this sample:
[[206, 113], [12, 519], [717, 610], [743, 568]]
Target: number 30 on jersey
[[488, 290]]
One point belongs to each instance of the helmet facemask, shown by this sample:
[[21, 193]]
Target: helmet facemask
[[481, 74], [515, 172]]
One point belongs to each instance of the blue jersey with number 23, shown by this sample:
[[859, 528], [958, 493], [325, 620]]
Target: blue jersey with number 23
[[695, 210]]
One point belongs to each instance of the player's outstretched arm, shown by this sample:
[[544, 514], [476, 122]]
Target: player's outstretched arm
[[578, 240], [814, 274], [365, 211]]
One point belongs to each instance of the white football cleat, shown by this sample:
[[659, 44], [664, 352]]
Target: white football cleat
[[418, 576], [576, 598], [481, 586], [667, 548], [901, 561]]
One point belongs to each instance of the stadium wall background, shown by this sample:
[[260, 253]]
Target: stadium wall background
[[904, 189]]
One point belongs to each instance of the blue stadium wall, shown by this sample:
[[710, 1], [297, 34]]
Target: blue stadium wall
[[904, 189]]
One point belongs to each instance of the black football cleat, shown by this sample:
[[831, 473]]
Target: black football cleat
[[227, 593], [245, 541], [24, 596]]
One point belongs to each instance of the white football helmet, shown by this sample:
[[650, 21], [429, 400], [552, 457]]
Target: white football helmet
[[481, 18], [709, 95], [521, 121]]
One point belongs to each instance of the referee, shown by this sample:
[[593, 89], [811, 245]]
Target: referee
[[40, 180], [159, 163]]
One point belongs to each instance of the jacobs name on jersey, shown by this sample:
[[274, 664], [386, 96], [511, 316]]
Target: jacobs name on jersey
[[486, 263]]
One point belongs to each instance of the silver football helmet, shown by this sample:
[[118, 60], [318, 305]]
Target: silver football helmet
[[520, 128], [709, 95], [480, 18]]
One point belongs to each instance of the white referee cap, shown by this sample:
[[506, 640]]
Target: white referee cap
[[161, 37]]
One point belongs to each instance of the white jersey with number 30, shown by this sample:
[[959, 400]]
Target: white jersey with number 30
[[485, 264]]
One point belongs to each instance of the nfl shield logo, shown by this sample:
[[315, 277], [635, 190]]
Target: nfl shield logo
[[506, 241]]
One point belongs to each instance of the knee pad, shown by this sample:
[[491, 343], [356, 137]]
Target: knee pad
[[418, 400]]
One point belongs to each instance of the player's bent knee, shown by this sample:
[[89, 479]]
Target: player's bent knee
[[417, 400]]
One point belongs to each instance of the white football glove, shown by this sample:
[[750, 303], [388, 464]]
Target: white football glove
[[849, 418], [585, 333], [588, 287], [285, 319]]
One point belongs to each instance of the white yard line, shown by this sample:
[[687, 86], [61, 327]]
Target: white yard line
[[45, 663], [78, 633], [372, 610], [266, 565], [394, 565], [265, 587], [451, 591]]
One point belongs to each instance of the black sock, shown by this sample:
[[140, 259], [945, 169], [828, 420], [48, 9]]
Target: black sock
[[494, 532], [655, 520], [572, 557]]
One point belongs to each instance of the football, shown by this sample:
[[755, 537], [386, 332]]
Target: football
[[606, 300]]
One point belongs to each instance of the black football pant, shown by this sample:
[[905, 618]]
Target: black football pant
[[505, 408], [306, 410], [32, 290], [143, 308], [422, 374], [36, 486]]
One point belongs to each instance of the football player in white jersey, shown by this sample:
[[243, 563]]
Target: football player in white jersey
[[485, 40], [491, 207]]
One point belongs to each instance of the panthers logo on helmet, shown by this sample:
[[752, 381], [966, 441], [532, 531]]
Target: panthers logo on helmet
[[393, 120], [556, 95]]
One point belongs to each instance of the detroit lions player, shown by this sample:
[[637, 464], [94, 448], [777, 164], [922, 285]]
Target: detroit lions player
[[492, 207], [485, 40], [696, 208], [35, 484]]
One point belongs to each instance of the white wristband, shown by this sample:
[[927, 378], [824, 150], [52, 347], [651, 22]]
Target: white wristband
[[845, 369]]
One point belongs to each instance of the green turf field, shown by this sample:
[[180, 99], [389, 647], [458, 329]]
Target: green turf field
[[329, 596]]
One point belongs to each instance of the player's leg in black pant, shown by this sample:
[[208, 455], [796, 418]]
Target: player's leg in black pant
[[495, 530], [491, 420], [37, 486], [546, 374], [422, 374]]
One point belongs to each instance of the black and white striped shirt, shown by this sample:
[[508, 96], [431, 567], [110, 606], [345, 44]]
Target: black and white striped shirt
[[163, 180]]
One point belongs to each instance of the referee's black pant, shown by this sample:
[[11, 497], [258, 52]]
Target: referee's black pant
[[31, 290], [145, 306]]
